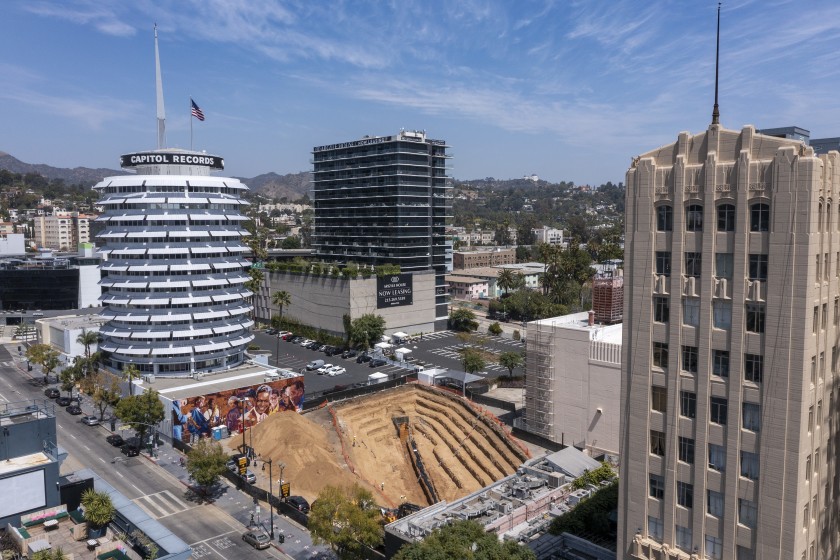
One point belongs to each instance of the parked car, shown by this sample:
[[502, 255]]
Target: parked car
[[282, 334], [130, 450], [376, 362], [74, 409], [314, 364], [294, 339], [63, 401], [249, 477], [287, 337], [257, 539], [233, 463], [324, 368], [116, 440], [271, 331], [53, 393], [336, 370], [363, 357], [90, 420], [349, 354], [332, 351], [314, 345], [299, 503]]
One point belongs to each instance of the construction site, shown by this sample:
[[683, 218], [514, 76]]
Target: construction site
[[413, 444]]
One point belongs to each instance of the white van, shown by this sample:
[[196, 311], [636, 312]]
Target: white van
[[314, 364]]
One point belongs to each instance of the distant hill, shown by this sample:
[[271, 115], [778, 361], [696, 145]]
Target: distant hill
[[75, 176], [291, 185]]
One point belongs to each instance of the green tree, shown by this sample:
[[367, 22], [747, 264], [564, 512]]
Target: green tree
[[462, 320], [70, 375], [45, 356], [106, 393], [347, 519], [495, 329], [129, 374], [141, 411], [471, 360], [291, 242], [511, 361], [465, 540], [367, 330], [281, 298], [205, 462]]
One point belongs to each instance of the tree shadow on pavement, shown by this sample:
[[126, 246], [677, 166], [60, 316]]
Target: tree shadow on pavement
[[200, 495]]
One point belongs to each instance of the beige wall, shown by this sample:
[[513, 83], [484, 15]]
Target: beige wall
[[322, 301], [739, 168], [584, 375]]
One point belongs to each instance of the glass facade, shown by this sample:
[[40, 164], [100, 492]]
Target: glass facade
[[385, 200]]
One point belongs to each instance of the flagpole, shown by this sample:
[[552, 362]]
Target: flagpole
[[191, 118]]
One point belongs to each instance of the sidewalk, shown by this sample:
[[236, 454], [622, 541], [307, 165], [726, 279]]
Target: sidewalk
[[298, 542]]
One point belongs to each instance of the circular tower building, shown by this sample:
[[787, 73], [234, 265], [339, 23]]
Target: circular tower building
[[174, 267]]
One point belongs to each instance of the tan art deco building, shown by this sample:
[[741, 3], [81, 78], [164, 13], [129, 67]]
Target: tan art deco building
[[730, 350]]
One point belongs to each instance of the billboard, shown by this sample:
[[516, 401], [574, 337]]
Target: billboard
[[394, 290], [236, 409]]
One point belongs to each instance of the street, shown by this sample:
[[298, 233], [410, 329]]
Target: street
[[159, 487]]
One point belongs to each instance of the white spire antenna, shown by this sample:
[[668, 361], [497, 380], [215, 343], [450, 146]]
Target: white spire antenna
[[161, 112]]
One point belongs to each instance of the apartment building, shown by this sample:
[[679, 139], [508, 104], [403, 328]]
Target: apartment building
[[490, 257], [62, 231], [385, 200], [552, 236], [730, 350]]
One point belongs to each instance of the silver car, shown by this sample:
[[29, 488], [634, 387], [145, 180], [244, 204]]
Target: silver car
[[257, 539], [90, 420]]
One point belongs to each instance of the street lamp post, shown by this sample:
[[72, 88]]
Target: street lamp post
[[270, 495], [242, 423]]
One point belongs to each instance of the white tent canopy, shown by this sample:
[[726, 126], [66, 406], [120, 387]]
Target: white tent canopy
[[382, 345], [402, 351]]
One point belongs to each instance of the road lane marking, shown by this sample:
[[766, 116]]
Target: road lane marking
[[137, 489], [86, 447], [119, 474]]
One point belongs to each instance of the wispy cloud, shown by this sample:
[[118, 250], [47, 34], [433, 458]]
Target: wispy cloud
[[85, 12]]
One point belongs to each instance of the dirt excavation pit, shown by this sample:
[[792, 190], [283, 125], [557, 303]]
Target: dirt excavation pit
[[412, 443]]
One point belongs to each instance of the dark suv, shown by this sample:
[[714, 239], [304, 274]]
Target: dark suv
[[299, 503], [53, 393]]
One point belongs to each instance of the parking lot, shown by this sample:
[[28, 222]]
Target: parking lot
[[439, 349]]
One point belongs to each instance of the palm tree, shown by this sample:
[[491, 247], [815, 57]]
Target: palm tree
[[130, 373], [505, 280], [281, 298], [87, 339]]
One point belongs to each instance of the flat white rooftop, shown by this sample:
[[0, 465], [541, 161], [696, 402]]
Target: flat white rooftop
[[580, 321]]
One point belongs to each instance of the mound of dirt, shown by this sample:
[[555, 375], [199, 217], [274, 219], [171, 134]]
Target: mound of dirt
[[358, 441]]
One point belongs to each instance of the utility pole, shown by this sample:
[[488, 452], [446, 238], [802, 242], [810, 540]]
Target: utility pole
[[270, 495]]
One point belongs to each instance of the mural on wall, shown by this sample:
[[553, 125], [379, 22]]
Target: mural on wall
[[237, 409]]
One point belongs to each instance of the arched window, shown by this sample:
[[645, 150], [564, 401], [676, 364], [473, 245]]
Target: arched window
[[694, 217], [828, 216], [664, 218], [820, 216], [726, 217], [760, 217]]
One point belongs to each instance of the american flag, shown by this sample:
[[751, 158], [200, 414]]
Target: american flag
[[196, 111]]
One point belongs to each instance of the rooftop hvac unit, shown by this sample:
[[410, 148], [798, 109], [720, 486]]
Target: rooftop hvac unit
[[556, 480], [149, 378]]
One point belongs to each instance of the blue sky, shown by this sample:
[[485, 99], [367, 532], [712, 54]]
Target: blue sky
[[569, 90]]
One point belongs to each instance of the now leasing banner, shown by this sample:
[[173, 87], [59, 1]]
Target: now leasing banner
[[394, 290]]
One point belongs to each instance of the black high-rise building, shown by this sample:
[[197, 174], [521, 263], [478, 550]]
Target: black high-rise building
[[385, 200]]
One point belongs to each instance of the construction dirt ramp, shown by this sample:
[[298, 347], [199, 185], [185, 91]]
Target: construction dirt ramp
[[462, 449]]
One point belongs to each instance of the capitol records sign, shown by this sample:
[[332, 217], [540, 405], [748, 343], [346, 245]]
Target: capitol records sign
[[394, 290]]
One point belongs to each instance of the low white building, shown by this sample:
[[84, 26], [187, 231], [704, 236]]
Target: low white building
[[573, 382], [549, 235], [61, 333], [12, 245]]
